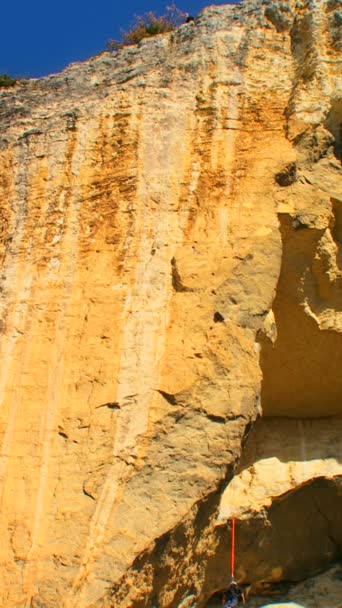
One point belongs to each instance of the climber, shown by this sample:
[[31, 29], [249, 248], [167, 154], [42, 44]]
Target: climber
[[233, 596], [189, 18]]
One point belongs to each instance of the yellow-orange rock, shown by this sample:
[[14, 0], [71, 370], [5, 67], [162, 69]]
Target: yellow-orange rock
[[150, 201]]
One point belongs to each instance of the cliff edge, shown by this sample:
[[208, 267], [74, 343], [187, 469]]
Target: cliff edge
[[171, 314]]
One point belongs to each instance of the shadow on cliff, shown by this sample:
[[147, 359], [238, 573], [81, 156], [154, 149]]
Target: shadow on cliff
[[291, 440], [301, 370]]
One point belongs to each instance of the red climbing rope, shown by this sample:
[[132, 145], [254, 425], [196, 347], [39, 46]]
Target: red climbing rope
[[233, 550]]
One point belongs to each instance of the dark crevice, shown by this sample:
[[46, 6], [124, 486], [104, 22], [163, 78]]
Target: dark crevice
[[218, 318], [112, 405], [288, 176], [88, 494], [176, 279], [169, 398], [299, 224], [215, 418], [246, 434]]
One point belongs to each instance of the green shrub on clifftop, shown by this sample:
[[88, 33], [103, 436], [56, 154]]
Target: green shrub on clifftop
[[150, 25], [7, 81]]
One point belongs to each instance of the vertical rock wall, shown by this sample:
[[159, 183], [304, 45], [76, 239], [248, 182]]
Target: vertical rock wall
[[141, 248]]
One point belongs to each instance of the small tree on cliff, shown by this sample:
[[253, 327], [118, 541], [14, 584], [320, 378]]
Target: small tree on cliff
[[6, 81], [149, 25]]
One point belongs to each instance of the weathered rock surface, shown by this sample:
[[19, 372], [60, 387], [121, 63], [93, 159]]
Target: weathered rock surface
[[167, 213]]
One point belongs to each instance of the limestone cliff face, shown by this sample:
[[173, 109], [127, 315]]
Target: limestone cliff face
[[171, 229]]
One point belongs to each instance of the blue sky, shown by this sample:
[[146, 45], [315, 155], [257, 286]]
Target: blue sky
[[41, 37]]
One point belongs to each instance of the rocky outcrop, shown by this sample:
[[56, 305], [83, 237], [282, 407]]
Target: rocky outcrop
[[171, 269], [282, 455]]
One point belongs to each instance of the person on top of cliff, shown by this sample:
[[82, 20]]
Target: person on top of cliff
[[233, 596]]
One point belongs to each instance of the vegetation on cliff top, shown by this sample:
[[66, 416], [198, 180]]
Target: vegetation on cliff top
[[149, 25], [6, 81]]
